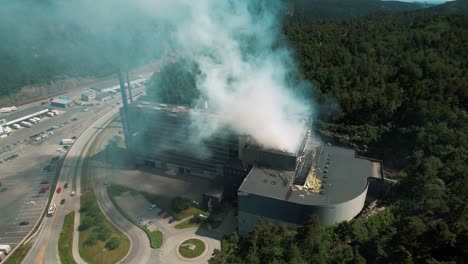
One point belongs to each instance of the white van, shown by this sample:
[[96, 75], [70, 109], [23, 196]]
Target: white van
[[15, 126]]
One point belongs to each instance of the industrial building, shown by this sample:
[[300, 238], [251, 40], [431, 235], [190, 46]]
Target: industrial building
[[88, 96], [104, 96], [62, 103], [328, 181]]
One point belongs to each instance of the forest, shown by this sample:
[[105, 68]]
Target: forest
[[401, 82]]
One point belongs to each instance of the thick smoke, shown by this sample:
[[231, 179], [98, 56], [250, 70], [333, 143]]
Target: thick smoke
[[245, 69]]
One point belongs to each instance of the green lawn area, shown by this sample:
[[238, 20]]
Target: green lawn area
[[186, 252], [187, 224], [19, 254], [156, 238], [98, 253], [96, 230], [66, 239]]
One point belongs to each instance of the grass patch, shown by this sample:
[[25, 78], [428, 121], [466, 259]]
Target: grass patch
[[187, 224], [187, 252], [99, 241], [19, 254], [155, 237], [65, 243]]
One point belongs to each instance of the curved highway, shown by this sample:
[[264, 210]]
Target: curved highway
[[45, 249], [140, 251]]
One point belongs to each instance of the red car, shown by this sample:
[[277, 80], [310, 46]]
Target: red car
[[166, 216], [45, 188], [59, 189]]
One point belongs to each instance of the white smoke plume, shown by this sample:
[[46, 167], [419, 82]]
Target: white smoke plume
[[245, 69], [237, 45]]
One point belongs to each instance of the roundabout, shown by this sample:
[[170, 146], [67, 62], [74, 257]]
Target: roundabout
[[191, 248]]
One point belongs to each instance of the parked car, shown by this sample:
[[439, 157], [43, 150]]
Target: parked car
[[172, 220], [166, 216]]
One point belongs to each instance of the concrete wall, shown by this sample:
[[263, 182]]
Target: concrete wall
[[253, 207]]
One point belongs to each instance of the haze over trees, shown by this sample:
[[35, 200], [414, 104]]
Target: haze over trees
[[401, 82]]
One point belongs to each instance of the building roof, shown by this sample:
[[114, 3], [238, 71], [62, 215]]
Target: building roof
[[61, 101], [345, 178]]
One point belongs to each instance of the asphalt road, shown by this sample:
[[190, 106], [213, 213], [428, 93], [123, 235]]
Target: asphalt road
[[140, 249], [45, 250]]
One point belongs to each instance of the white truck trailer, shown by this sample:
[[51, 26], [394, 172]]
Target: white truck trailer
[[67, 141], [25, 124], [5, 249]]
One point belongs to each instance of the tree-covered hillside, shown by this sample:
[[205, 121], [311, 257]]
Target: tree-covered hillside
[[402, 83], [307, 10], [48, 40]]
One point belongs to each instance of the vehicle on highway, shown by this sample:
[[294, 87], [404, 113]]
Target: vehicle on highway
[[63, 201], [72, 193], [59, 189], [51, 210], [65, 185], [166, 216], [172, 220]]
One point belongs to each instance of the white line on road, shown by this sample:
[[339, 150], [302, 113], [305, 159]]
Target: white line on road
[[16, 232]]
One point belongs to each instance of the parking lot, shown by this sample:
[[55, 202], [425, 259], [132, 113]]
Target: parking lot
[[25, 167], [19, 216], [143, 212]]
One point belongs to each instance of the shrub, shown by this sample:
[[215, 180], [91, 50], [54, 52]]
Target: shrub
[[112, 244], [103, 233], [91, 241], [86, 223], [179, 204]]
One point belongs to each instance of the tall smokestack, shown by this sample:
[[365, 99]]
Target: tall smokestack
[[129, 88], [123, 91]]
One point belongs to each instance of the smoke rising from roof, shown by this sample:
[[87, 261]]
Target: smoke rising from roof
[[245, 68]]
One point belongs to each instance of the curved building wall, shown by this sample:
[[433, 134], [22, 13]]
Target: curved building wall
[[254, 207]]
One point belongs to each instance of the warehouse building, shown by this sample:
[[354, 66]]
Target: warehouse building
[[328, 181], [88, 96], [333, 187], [103, 97], [62, 103]]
